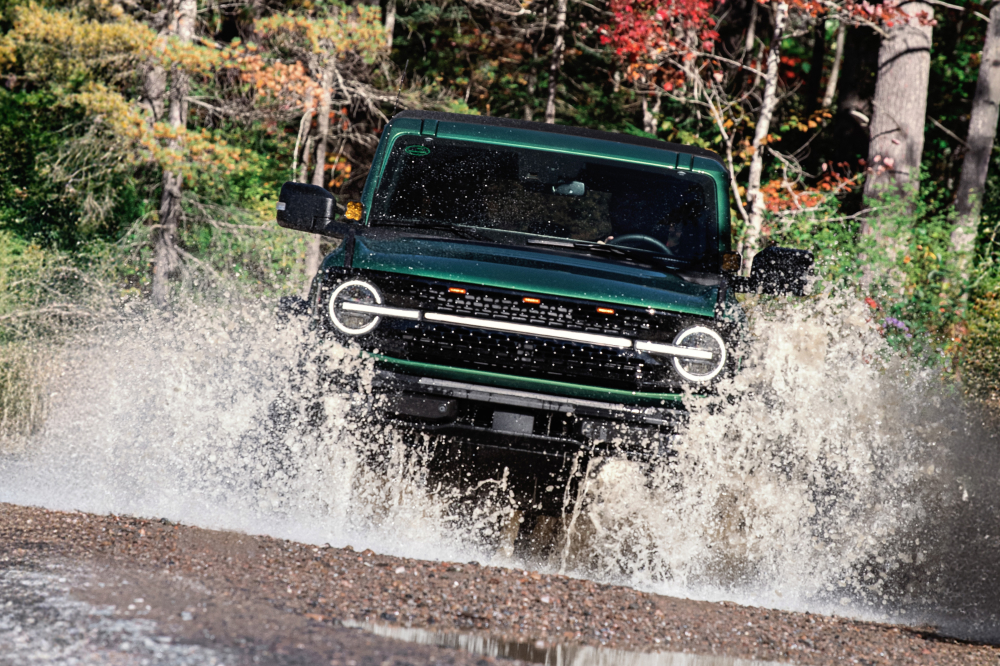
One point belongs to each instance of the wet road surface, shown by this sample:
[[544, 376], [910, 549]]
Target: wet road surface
[[84, 589]]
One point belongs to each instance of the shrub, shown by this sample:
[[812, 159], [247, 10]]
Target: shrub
[[978, 356], [23, 372]]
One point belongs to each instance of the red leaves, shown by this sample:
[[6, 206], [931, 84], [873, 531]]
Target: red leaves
[[788, 65], [653, 32], [663, 32]]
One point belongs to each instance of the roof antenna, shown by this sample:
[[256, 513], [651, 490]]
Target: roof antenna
[[400, 88]]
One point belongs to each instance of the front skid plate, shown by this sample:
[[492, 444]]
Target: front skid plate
[[523, 423], [395, 381]]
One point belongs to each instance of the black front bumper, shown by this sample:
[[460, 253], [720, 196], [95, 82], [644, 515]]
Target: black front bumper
[[539, 445], [526, 422]]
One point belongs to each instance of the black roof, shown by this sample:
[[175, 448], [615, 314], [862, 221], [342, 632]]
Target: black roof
[[561, 129]]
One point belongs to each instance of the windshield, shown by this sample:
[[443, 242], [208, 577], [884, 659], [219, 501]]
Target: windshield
[[431, 181]]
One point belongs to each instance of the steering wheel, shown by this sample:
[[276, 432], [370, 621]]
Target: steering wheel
[[641, 238]]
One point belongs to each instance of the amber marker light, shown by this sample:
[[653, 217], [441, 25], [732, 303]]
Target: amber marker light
[[605, 310], [455, 290], [533, 301], [732, 262], [355, 210]]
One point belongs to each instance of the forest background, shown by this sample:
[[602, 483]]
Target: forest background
[[143, 142]]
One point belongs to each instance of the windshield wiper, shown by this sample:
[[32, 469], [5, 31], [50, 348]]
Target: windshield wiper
[[461, 232], [577, 245], [597, 248]]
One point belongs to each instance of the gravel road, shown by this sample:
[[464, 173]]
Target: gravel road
[[78, 588]]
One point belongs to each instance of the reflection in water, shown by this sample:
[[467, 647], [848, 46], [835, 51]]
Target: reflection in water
[[558, 654]]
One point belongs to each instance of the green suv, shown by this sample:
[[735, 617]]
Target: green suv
[[534, 291]]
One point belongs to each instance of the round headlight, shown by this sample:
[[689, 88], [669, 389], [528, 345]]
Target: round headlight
[[704, 339], [349, 321]]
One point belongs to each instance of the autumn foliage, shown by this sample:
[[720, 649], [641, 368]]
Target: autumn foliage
[[784, 195], [91, 62], [651, 37]]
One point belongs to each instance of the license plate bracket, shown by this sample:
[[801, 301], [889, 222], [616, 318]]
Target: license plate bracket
[[512, 422]]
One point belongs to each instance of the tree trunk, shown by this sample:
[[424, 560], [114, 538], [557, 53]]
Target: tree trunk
[[649, 124], [154, 90], [529, 104], [390, 22], [899, 110], [982, 132], [815, 80], [166, 258], [305, 125], [751, 30], [855, 87], [323, 121], [313, 250], [529, 107], [754, 196], [838, 58], [556, 61], [307, 154]]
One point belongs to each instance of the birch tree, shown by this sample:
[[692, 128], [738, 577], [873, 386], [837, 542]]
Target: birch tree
[[180, 25], [755, 198], [838, 59], [313, 249], [555, 60], [982, 132]]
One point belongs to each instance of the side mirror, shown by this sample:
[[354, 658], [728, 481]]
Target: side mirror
[[778, 270], [309, 208]]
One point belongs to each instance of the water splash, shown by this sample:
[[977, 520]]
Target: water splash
[[829, 475], [784, 479]]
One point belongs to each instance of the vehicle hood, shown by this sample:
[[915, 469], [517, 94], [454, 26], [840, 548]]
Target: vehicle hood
[[535, 271]]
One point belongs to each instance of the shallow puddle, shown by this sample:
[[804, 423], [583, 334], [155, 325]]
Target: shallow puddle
[[550, 654]]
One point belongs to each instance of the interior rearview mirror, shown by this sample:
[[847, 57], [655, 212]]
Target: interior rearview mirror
[[777, 270], [574, 189], [309, 208]]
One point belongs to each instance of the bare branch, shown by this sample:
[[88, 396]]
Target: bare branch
[[720, 123], [947, 131]]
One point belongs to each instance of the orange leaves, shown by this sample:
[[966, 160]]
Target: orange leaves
[[341, 169], [62, 47], [782, 195], [277, 79], [353, 32], [268, 76], [812, 122]]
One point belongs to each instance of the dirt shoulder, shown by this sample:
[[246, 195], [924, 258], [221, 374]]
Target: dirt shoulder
[[275, 601]]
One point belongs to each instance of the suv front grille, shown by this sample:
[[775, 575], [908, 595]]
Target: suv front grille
[[523, 354], [508, 353], [502, 305]]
